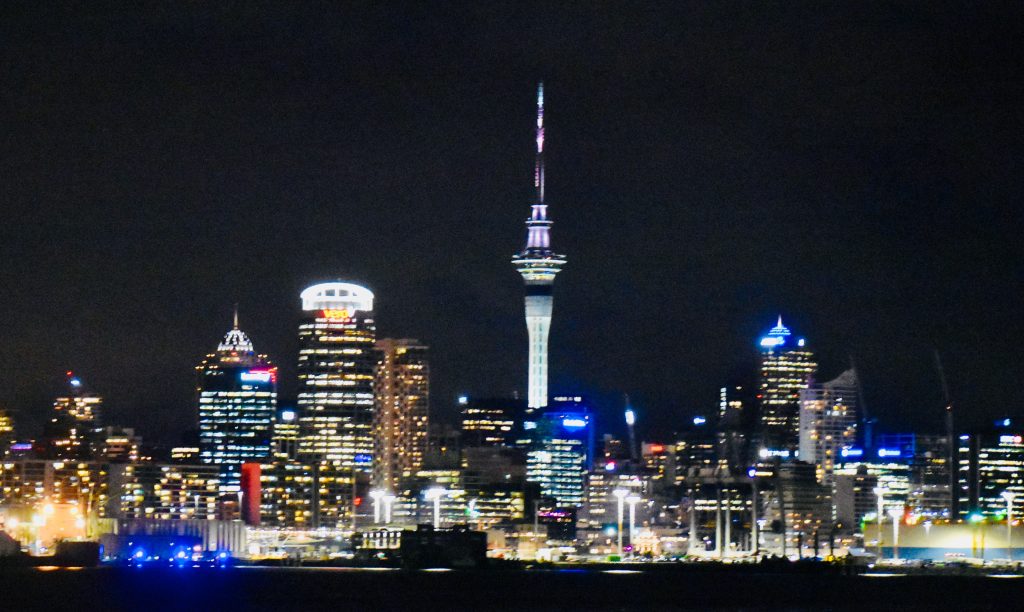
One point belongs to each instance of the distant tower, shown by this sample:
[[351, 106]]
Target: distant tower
[[786, 369], [538, 264]]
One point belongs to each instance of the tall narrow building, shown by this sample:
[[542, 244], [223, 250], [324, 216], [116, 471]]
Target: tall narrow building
[[336, 370], [786, 369], [400, 422], [237, 396], [538, 265]]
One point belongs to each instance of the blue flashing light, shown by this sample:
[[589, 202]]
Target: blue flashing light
[[463, 400], [610, 466], [75, 382], [529, 425], [573, 423], [362, 459], [139, 554], [222, 555], [699, 420]]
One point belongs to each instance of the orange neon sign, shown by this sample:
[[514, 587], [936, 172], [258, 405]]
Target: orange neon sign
[[334, 313]]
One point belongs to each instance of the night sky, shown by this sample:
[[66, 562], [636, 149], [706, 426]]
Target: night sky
[[854, 166]]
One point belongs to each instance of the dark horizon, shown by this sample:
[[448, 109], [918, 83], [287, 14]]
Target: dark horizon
[[852, 167]]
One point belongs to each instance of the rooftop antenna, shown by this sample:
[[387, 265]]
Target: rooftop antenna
[[236, 316]]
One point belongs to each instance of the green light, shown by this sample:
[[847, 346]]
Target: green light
[[976, 517]]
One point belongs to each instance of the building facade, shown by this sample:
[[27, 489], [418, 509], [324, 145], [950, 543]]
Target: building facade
[[990, 464], [237, 396], [787, 366], [828, 423], [337, 360], [402, 389], [563, 451]]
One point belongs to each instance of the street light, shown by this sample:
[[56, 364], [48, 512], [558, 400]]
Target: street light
[[435, 495], [880, 493], [895, 514], [632, 500], [376, 496], [620, 495], [1008, 496]]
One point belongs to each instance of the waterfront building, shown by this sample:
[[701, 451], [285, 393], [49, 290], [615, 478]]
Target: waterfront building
[[787, 365], [35, 482], [402, 390], [538, 264], [237, 396], [989, 464], [165, 491], [828, 422], [563, 451]]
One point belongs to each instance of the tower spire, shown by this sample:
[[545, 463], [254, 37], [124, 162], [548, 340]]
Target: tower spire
[[538, 168], [236, 317]]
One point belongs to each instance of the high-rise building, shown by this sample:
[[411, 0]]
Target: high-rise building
[[828, 422], [563, 451], [490, 421], [74, 423], [337, 360], [400, 421], [336, 371], [538, 265], [989, 464], [786, 368], [237, 396]]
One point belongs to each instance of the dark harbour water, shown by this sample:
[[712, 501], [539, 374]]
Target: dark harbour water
[[672, 588]]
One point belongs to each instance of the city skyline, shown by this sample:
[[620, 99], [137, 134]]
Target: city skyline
[[858, 252]]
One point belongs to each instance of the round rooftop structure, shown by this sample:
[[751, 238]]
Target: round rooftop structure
[[337, 296]]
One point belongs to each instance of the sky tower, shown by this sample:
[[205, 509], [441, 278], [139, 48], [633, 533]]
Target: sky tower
[[538, 264]]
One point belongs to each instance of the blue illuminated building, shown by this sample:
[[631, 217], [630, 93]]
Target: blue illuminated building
[[237, 404], [562, 450], [787, 365]]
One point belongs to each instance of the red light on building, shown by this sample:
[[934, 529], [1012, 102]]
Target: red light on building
[[657, 448]]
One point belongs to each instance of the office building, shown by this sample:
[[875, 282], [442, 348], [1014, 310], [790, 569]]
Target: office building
[[337, 360], [828, 422], [538, 265], [402, 388], [7, 437], [563, 451], [490, 421], [787, 365], [989, 464], [237, 396]]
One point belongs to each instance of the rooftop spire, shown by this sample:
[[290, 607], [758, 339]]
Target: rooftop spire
[[236, 316]]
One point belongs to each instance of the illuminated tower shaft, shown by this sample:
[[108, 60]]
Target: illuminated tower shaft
[[538, 264]]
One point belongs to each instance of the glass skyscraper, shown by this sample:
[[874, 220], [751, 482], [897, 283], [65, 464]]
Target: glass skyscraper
[[237, 403], [786, 369], [563, 451]]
